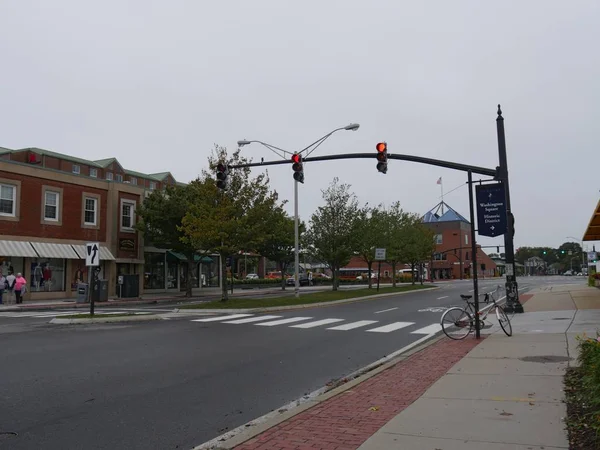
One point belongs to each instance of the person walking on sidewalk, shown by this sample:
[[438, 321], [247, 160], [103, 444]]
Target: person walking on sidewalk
[[3, 285], [10, 284], [20, 287]]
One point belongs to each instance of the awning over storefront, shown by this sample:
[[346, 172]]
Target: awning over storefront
[[593, 230], [105, 253], [58, 251], [197, 258], [17, 248]]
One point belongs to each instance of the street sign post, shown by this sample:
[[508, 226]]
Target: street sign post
[[379, 256], [92, 259], [491, 210]]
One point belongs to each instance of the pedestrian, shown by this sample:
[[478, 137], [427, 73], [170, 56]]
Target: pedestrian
[[10, 283], [20, 287], [3, 285]]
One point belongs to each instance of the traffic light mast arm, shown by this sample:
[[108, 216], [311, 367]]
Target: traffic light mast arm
[[411, 158]]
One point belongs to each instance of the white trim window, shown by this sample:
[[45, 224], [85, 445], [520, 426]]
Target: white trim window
[[127, 215], [466, 239], [8, 200], [51, 204], [133, 180], [76, 169], [119, 178], [438, 239], [152, 185], [109, 176], [93, 173], [90, 214]]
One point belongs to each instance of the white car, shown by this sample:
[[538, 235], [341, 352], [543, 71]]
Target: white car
[[252, 276]]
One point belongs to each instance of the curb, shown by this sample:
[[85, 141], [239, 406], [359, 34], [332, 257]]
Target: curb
[[249, 430], [303, 306], [139, 318]]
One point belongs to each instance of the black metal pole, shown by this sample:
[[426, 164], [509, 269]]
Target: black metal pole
[[91, 285], [512, 288], [474, 256]]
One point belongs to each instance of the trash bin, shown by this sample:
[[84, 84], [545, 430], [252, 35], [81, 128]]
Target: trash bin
[[82, 293], [100, 291]]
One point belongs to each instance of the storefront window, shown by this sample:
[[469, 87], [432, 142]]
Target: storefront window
[[209, 272], [47, 275], [172, 275], [11, 264], [154, 270]]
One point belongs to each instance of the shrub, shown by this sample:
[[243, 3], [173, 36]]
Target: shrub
[[589, 358]]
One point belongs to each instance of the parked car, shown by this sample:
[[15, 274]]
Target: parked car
[[366, 276], [304, 281], [252, 276], [273, 275]]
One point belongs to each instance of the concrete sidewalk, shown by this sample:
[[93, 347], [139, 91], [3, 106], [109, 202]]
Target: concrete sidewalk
[[507, 393]]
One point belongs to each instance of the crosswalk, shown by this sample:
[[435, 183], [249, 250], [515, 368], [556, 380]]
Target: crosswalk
[[333, 324]]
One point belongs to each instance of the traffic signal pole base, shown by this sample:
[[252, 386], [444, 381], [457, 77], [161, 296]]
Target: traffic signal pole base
[[513, 305]]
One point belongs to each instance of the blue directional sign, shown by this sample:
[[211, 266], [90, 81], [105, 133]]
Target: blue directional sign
[[491, 209]]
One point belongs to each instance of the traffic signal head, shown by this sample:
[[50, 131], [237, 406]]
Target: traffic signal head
[[382, 157], [297, 167], [544, 252], [222, 174], [562, 251]]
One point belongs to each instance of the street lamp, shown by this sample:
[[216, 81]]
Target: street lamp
[[284, 154], [582, 255]]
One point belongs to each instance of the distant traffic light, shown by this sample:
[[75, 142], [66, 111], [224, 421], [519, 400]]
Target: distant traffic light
[[298, 168], [382, 157], [545, 252], [222, 174], [562, 251]]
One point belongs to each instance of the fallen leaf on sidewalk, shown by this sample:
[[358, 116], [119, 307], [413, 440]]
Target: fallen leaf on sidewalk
[[374, 408], [504, 413]]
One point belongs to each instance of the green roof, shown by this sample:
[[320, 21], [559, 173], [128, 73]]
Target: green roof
[[42, 151], [160, 176], [136, 174], [105, 162]]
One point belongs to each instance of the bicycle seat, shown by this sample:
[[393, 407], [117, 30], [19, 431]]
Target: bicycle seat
[[465, 297]]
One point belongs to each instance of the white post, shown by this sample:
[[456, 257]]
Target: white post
[[296, 243]]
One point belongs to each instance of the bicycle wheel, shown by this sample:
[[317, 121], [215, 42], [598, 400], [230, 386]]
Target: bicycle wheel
[[457, 323], [503, 320]]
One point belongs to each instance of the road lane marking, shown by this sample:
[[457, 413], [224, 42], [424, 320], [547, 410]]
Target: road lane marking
[[391, 327], [253, 319], [445, 296], [283, 321], [214, 319], [386, 310], [317, 323], [434, 328], [353, 325]]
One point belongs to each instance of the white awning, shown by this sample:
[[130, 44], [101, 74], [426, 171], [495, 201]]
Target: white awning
[[17, 248], [59, 251], [105, 253]]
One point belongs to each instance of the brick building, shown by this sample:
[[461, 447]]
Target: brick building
[[52, 204], [453, 246]]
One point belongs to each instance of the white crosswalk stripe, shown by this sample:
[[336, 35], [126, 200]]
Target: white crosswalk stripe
[[253, 319], [215, 319], [283, 321], [433, 328], [391, 327], [353, 325], [317, 323]]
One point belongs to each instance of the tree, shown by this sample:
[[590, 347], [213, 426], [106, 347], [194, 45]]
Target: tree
[[227, 221], [278, 243], [395, 224], [160, 217], [330, 235], [418, 243], [369, 233]]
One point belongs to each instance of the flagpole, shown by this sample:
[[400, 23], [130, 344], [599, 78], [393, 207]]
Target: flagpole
[[442, 189]]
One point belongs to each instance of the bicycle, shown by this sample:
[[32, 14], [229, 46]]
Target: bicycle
[[457, 323]]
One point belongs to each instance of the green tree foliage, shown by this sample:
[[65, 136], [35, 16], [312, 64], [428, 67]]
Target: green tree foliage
[[395, 221], [369, 233], [159, 218], [556, 258], [225, 222], [330, 234], [418, 243]]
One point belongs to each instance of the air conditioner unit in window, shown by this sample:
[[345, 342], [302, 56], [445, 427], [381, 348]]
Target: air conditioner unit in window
[[147, 194]]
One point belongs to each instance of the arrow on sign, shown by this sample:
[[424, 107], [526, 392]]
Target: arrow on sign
[[492, 228], [93, 250]]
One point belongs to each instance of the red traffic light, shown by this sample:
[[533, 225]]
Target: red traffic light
[[381, 147], [296, 158]]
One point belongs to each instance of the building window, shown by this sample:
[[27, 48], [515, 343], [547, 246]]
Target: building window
[[8, 196], [119, 178], [51, 200], [47, 275], [127, 211], [94, 173], [133, 180], [152, 185], [466, 239], [76, 169], [109, 176], [91, 211], [438, 239], [439, 257], [154, 271]]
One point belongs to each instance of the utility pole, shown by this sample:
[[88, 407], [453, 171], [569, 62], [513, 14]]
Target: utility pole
[[512, 289]]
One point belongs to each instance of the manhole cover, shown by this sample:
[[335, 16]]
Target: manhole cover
[[545, 359]]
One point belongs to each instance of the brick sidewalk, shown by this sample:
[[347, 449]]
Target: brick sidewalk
[[347, 420]]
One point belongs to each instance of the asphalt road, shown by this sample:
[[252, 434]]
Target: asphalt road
[[178, 383]]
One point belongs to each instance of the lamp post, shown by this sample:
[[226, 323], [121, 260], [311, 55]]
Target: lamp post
[[284, 154], [582, 255]]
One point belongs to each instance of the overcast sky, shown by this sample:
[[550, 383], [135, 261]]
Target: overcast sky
[[157, 83]]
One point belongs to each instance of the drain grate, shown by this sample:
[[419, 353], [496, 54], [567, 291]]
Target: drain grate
[[545, 359]]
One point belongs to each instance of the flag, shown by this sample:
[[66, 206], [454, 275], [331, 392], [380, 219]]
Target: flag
[[439, 181]]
